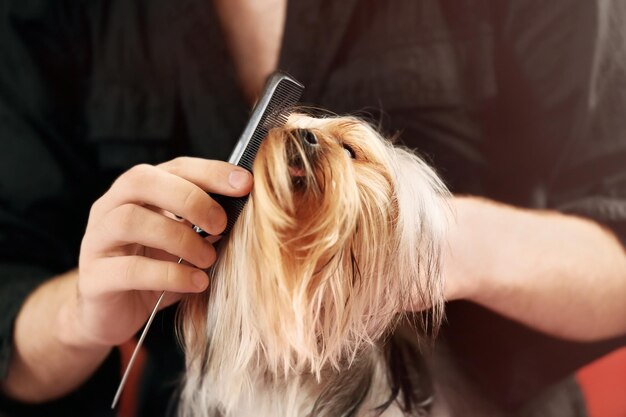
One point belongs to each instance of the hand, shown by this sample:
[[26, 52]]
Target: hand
[[133, 241]]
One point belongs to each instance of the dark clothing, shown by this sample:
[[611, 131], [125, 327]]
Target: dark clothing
[[516, 100]]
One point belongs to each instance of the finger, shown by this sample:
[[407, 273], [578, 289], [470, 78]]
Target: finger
[[148, 185], [170, 298], [130, 273], [212, 176], [130, 223], [169, 215]]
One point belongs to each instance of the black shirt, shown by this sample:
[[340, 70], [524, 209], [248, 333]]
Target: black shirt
[[521, 101]]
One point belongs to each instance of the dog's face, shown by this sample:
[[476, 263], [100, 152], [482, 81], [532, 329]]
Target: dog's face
[[341, 234]]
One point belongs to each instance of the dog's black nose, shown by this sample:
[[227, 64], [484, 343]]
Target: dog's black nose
[[307, 137]]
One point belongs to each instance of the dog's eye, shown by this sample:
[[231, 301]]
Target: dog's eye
[[349, 151]]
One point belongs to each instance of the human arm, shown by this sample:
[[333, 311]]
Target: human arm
[[561, 274], [42, 366], [57, 158], [555, 145], [128, 255]]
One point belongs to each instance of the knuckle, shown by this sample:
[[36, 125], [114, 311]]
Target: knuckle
[[172, 275], [181, 237], [176, 165], [195, 200], [136, 176], [94, 210], [127, 217], [130, 269], [121, 221], [86, 276], [141, 169]]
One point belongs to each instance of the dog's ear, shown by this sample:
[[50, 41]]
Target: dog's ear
[[423, 216], [345, 390], [408, 375]]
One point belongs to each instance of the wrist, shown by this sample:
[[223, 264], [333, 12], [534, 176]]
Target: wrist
[[479, 239], [71, 333], [47, 361], [72, 338]]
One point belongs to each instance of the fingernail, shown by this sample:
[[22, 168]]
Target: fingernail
[[238, 178], [199, 279]]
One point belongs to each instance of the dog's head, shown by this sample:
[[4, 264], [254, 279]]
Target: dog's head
[[341, 234]]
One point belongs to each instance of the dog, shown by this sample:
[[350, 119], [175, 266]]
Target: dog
[[341, 236]]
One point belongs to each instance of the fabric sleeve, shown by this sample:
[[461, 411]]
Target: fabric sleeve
[[33, 181], [560, 130], [557, 140], [590, 179], [46, 185]]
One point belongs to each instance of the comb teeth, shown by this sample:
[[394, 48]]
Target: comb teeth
[[281, 93], [233, 207], [285, 93]]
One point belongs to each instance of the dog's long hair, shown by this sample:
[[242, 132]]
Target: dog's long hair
[[340, 236]]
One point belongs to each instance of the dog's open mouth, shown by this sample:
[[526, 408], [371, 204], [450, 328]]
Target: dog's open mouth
[[295, 162], [296, 171]]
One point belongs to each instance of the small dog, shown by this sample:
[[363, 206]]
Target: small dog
[[340, 237]]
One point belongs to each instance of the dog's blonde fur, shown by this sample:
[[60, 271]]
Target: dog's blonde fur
[[336, 241]]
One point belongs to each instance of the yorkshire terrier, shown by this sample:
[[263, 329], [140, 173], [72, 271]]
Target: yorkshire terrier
[[340, 237]]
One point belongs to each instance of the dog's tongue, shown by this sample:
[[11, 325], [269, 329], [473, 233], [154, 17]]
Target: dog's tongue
[[296, 172]]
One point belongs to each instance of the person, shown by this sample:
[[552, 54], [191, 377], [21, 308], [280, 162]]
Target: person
[[516, 103]]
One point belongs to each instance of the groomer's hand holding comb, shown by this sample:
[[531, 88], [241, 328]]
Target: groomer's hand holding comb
[[129, 256], [132, 243]]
